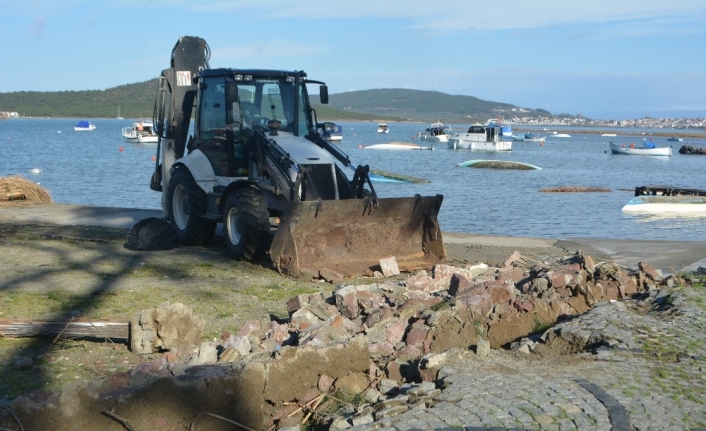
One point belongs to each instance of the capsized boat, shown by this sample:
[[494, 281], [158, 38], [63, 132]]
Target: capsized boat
[[498, 164], [648, 148], [437, 132], [141, 132], [396, 146], [666, 200], [479, 137], [84, 126]]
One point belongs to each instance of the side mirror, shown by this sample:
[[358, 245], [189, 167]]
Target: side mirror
[[323, 94]]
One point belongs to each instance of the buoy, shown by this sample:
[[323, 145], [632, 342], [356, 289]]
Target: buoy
[[154, 158], [120, 149], [360, 147]]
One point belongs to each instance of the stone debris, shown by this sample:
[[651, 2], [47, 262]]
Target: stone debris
[[388, 341], [415, 326]]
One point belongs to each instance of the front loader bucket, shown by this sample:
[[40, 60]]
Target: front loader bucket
[[352, 236]]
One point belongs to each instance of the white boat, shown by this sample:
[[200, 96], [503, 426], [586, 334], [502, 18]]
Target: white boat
[[530, 137], [647, 149], [609, 134], [560, 135], [397, 146], [479, 137], [506, 133], [84, 126], [437, 132], [667, 200], [666, 204], [335, 135], [141, 132], [383, 128]]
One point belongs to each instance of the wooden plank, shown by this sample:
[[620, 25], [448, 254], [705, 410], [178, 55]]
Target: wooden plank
[[76, 328]]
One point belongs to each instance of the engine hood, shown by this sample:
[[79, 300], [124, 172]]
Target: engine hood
[[302, 150]]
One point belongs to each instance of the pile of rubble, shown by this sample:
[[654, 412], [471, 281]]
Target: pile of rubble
[[375, 340]]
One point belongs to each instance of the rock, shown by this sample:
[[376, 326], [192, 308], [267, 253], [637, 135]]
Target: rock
[[164, 327], [389, 267], [482, 348], [331, 276], [347, 301], [23, 362]]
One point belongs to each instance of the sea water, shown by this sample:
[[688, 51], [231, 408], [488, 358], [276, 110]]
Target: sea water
[[101, 168]]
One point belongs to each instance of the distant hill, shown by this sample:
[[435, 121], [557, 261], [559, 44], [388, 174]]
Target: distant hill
[[418, 105], [133, 101], [137, 100]]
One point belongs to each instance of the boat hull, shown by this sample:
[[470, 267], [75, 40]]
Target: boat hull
[[398, 146], [640, 151], [464, 144], [666, 205]]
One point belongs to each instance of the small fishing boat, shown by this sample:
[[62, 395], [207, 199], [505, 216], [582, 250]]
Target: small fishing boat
[[437, 132], [479, 137], [141, 132], [335, 135], [498, 164], [84, 126], [646, 149], [383, 128], [530, 137]]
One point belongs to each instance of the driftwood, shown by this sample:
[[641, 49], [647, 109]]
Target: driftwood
[[75, 328]]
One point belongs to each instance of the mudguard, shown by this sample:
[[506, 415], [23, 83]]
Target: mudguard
[[352, 236]]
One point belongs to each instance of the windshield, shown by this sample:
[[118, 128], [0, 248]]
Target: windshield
[[263, 99]]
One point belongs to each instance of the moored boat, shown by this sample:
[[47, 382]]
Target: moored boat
[[647, 149], [437, 132], [481, 138], [335, 135], [141, 132], [530, 137], [84, 126]]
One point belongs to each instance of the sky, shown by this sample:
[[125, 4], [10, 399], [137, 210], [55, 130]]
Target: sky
[[603, 59]]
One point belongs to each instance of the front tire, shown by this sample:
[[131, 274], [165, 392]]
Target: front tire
[[186, 205], [246, 224]]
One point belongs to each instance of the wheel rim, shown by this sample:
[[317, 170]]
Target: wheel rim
[[232, 226], [180, 206]]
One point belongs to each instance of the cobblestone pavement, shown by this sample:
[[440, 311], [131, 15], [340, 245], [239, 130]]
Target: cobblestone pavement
[[644, 370]]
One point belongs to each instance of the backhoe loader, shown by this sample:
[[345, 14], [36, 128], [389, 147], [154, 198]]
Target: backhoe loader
[[254, 159]]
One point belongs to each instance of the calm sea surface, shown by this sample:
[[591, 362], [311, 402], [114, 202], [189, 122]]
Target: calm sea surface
[[101, 168]]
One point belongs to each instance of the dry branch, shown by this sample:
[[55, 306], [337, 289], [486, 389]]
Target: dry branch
[[75, 328]]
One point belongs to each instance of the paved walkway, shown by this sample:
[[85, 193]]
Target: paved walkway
[[648, 375]]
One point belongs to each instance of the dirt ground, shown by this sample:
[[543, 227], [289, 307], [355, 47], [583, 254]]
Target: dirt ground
[[51, 272]]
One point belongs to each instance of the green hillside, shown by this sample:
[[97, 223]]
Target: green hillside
[[137, 100], [417, 105]]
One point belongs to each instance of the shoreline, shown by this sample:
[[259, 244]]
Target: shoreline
[[668, 256]]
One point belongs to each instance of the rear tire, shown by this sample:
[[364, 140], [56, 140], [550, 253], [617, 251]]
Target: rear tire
[[186, 204], [246, 224]]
